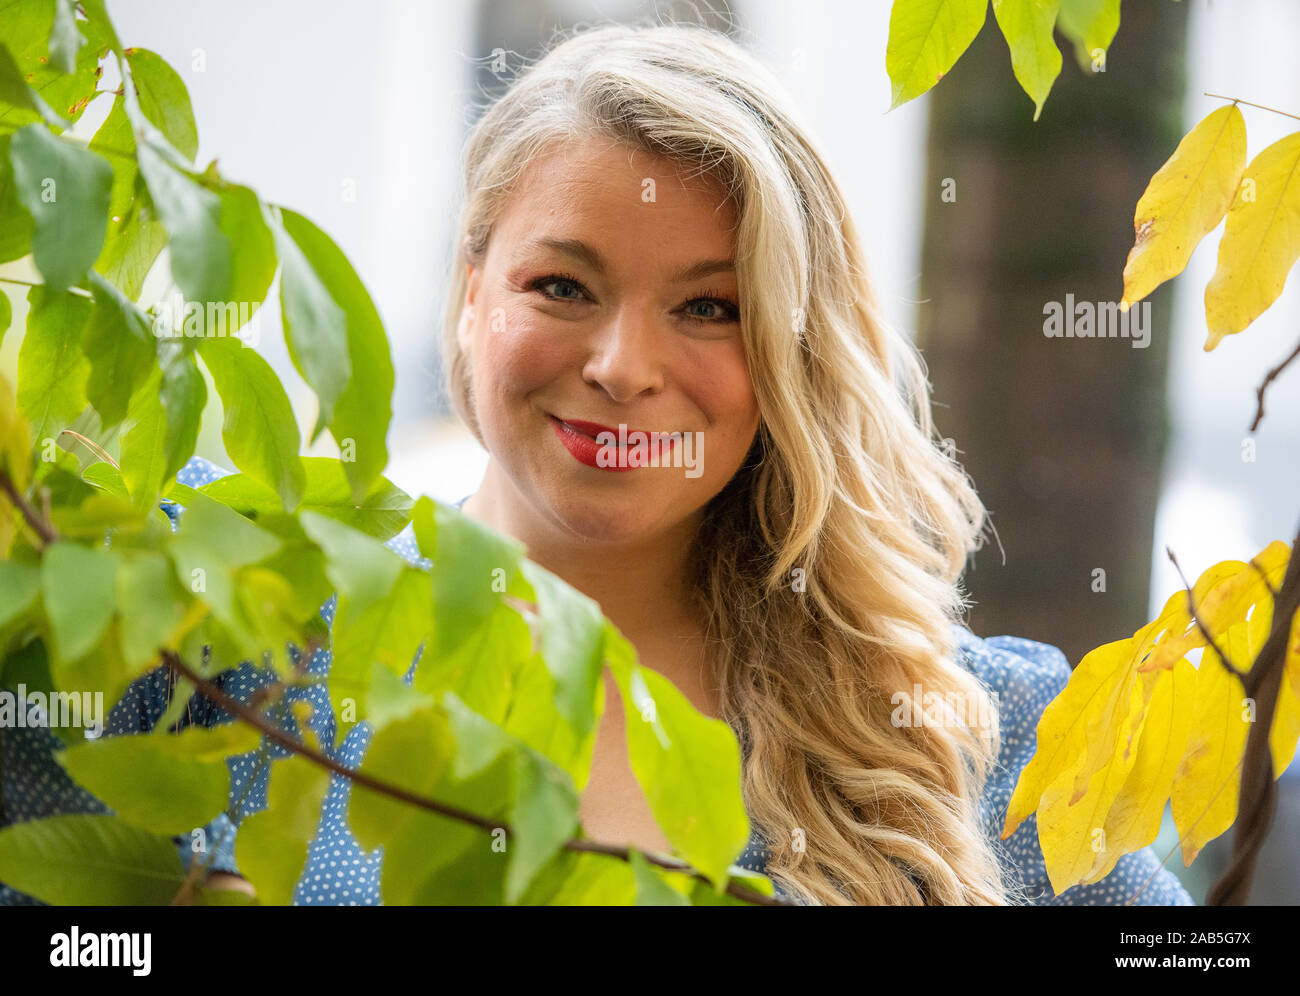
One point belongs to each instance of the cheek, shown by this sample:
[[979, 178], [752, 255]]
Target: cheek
[[719, 383], [517, 352]]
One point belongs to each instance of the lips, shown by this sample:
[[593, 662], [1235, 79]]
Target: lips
[[579, 438]]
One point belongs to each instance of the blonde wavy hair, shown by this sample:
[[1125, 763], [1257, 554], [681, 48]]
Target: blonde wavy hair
[[846, 480]]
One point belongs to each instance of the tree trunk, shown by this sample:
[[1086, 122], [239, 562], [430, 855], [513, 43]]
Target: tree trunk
[[1062, 436]]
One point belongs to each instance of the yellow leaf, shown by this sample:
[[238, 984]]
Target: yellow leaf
[[1260, 243], [1070, 827], [1207, 783], [1184, 201], [1062, 734], [1027, 26], [1134, 818]]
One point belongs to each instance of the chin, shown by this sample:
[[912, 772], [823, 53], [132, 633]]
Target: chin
[[601, 516]]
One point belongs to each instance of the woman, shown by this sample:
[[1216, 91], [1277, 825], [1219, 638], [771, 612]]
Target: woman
[[652, 242]]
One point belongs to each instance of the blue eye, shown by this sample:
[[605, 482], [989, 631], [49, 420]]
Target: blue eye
[[726, 310], [555, 278]]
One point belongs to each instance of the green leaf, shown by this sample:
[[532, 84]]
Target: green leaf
[[1091, 25], [79, 588], [651, 889], [210, 545], [543, 815], [19, 585], [362, 568], [200, 250], [926, 38], [315, 327], [363, 411], [28, 25], [66, 190], [382, 513], [572, 632], [143, 459], [65, 40], [52, 369], [15, 222], [474, 565], [411, 754], [387, 633], [135, 236], [119, 346], [19, 103], [90, 860], [151, 604], [583, 879], [184, 395], [1027, 26], [164, 100], [253, 250], [6, 314], [106, 476], [534, 719], [271, 848], [390, 699], [152, 780], [687, 764], [260, 432]]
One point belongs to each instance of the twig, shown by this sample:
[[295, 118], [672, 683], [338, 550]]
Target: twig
[[1268, 379], [1191, 608], [42, 527], [1262, 107], [31, 283], [290, 743]]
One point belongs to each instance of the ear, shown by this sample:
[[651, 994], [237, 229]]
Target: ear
[[468, 313]]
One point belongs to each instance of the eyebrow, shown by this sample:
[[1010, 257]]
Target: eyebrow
[[592, 257]]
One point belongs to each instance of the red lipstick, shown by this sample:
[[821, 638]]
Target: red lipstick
[[579, 438]]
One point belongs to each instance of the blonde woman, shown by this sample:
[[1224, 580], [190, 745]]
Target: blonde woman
[[651, 243]]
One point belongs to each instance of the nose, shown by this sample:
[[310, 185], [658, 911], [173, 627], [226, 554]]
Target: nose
[[626, 356]]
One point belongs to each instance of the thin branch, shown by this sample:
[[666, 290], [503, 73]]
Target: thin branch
[[1268, 379], [91, 445], [290, 743], [31, 283], [1262, 107], [41, 526], [1191, 608]]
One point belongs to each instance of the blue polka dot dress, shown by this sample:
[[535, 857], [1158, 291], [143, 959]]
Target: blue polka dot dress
[[1025, 675]]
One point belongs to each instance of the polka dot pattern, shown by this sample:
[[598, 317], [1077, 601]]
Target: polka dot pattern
[[1026, 676]]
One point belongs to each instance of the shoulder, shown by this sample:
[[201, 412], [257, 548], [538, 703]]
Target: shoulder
[[1024, 676]]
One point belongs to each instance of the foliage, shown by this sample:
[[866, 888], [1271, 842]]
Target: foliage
[[485, 753]]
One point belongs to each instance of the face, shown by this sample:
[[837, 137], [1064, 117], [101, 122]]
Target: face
[[608, 298]]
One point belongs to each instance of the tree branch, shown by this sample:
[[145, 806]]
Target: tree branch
[[1209, 638], [237, 708], [41, 526], [1268, 379], [1257, 801]]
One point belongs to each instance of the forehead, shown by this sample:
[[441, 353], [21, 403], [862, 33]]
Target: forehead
[[622, 198]]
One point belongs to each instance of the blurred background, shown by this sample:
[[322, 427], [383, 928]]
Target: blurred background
[[1090, 454]]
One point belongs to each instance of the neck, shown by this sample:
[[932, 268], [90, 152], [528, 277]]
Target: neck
[[642, 586]]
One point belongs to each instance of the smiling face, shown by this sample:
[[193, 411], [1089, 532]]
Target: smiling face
[[608, 297]]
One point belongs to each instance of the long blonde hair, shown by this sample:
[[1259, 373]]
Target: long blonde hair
[[829, 566]]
